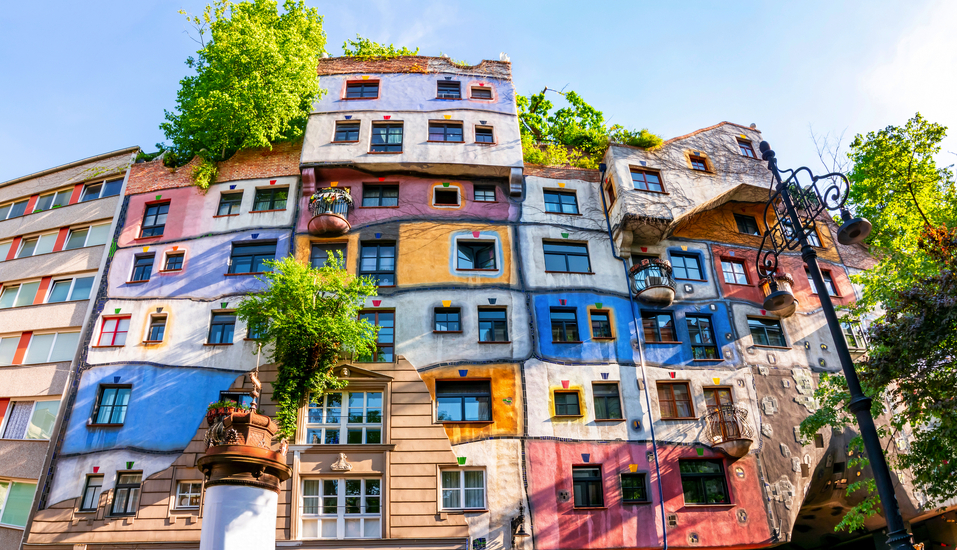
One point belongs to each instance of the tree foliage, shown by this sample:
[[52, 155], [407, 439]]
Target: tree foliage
[[308, 319], [255, 81], [363, 48]]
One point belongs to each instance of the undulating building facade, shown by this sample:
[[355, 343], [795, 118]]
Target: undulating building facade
[[567, 358]]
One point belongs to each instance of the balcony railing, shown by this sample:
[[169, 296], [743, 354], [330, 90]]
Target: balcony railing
[[653, 282], [329, 208], [729, 430], [336, 206]]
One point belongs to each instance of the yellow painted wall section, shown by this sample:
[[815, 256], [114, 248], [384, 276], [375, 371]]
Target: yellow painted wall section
[[304, 248], [425, 254], [507, 403]]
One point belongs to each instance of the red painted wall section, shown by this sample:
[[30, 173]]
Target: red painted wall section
[[77, 190], [14, 246], [22, 347], [42, 291], [752, 291], [31, 204], [4, 403], [61, 239]]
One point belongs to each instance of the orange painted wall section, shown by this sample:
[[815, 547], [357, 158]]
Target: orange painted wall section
[[61, 239], [22, 347], [42, 291], [303, 248], [506, 400], [426, 254]]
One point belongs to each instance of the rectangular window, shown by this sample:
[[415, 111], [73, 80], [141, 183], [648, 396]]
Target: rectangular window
[[385, 340], [446, 131], [88, 236], [703, 482], [483, 134], [188, 494], [229, 204], [111, 404], [361, 423], [610, 193], [747, 224], [30, 419], [483, 193], [341, 508], [9, 296], [256, 331], [19, 295], [561, 202], [567, 404], [378, 261], [113, 331], [18, 209], [94, 191], [646, 180], [658, 327], [142, 268], [674, 400], [270, 199], [812, 237], [251, 257], [566, 257], [607, 401], [380, 195], [16, 499], [766, 332], [853, 334], [362, 90], [699, 163], [127, 494], [717, 398], [346, 132], [564, 325], [174, 262], [633, 488], [447, 320], [445, 197], [493, 326], [734, 272], [586, 481], [746, 149], [475, 255], [828, 282], [221, 328], [58, 199], [686, 266], [463, 401], [27, 247], [449, 89], [321, 253], [600, 324], [52, 348], [481, 92], [154, 220], [68, 289], [702, 337], [386, 138], [463, 489], [5, 250], [157, 328], [91, 493]]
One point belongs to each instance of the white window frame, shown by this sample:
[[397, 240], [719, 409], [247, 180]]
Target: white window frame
[[458, 193], [3, 503], [340, 516], [86, 485], [38, 237], [10, 204], [86, 241], [19, 286], [6, 418], [69, 294], [67, 192], [102, 184], [188, 494], [169, 253], [52, 346], [461, 489], [344, 425]]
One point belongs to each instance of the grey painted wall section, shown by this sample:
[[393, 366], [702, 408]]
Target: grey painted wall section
[[32, 380], [74, 215], [56, 263], [43, 316], [23, 458]]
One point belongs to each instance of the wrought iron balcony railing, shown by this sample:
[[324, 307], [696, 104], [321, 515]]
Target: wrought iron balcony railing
[[329, 208], [653, 282], [728, 429], [338, 206]]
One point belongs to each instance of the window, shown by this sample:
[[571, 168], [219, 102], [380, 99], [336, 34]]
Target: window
[[127, 494], [251, 257], [174, 262], [702, 337], [321, 253], [607, 401], [380, 195], [481, 92], [702, 482], [766, 332], [341, 508], [242, 398], [445, 197], [58, 199], [270, 199], [385, 340], [16, 499], [221, 328], [853, 334], [91, 493], [445, 131], [828, 282], [483, 193], [646, 180], [686, 266], [19, 295], [698, 163], [142, 268], [600, 324], [68, 289], [326, 424], [30, 419], [187, 494], [493, 326], [633, 488], [346, 132], [567, 404], [157, 328], [8, 349], [154, 220], [674, 400], [734, 272], [463, 489], [475, 255], [716, 398], [447, 320], [111, 404], [98, 191], [463, 400], [362, 90], [812, 237], [256, 331], [564, 325], [229, 204], [747, 224], [113, 331], [746, 149], [14, 210], [658, 327], [5, 250], [610, 191], [386, 138], [378, 261], [560, 202], [586, 481], [51, 348], [566, 257], [449, 89], [483, 134], [88, 236], [34, 246]]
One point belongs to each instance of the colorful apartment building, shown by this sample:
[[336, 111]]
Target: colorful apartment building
[[567, 359]]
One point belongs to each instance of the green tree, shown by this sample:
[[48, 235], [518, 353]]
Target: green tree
[[308, 319], [363, 48], [255, 81]]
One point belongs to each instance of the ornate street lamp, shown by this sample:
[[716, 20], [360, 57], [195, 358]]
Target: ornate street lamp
[[796, 207]]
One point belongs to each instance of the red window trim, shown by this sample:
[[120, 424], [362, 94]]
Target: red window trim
[[112, 343]]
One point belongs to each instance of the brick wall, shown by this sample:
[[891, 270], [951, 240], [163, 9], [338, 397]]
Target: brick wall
[[562, 173], [411, 64]]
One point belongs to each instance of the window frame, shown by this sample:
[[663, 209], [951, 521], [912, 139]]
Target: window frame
[[857, 333], [698, 476], [366, 187], [96, 496], [138, 487], [761, 324], [491, 93], [55, 203], [476, 246], [714, 342], [70, 290], [659, 384], [213, 323], [153, 321], [813, 237], [118, 318], [746, 219], [378, 258], [340, 516], [344, 417], [19, 287], [446, 311], [686, 256], [546, 193], [53, 344], [495, 324], [643, 481], [732, 263], [490, 130], [445, 126], [563, 325], [362, 85], [588, 482], [99, 194], [566, 254], [273, 202], [347, 131], [38, 239], [380, 345], [169, 256], [451, 189], [135, 267], [239, 245], [461, 488], [484, 189], [699, 159], [647, 315], [5, 421], [606, 397], [86, 239], [608, 319], [98, 405], [328, 247], [462, 400], [745, 147], [565, 413], [828, 278], [6, 500], [146, 214], [231, 203], [386, 147], [644, 173], [189, 494], [448, 84]]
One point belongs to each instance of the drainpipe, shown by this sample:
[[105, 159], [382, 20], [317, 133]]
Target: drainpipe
[[641, 355]]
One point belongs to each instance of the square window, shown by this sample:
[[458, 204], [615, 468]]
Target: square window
[[447, 319], [272, 198], [154, 220], [113, 331], [386, 138], [564, 325], [734, 272], [59, 292], [445, 197], [686, 266], [27, 247], [91, 191], [229, 204], [481, 92], [566, 257], [142, 268], [633, 488], [766, 332], [658, 327], [449, 89], [746, 149], [747, 225], [472, 255], [385, 340], [699, 163], [126, 495], [483, 193], [380, 195], [221, 328], [251, 257], [607, 401], [702, 337], [446, 131], [463, 489], [567, 403], [718, 399], [174, 262], [463, 400], [346, 132], [30, 420], [483, 134], [321, 253], [493, 325], [16, 500], [91, 493], [157, 329], [674, 400], [188, 494], [703, 482], [377, 260], [111, 404], [647, 180], [362, 90], [600, 324], [853, 334], [586, 481], [561, 202]]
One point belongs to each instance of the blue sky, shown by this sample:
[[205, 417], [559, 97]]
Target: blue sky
[[85, 78]]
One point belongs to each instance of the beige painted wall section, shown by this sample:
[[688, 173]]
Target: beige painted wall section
[[22, 458], [43, 316], [75, 215], [99, 168], [32, 380], [53, 264], [501, 459]]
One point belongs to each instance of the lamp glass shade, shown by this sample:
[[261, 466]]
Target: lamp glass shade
[[853, 231]]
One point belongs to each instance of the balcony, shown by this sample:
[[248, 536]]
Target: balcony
[[329, 207], [778, 296], [652, 282], [728, 429]]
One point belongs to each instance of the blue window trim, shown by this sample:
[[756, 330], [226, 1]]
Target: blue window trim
[[702, 264]]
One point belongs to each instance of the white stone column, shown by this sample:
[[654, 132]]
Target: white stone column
[[239, 518]]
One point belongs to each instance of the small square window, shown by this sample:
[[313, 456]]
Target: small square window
[[483, 134], [812, 238], [157, 329], [600, 324], [483, 193], [481, 92], [766, 332], [463, 489], [362, 90], [674, 400], [221, 328], [703, 482], [229, 204], [154, 220], [449, 89], [699, 163], [472, 255], [686, 266], [446, 131], [746, 149], [18, 209], [386, 138], [564, 325], [561, 202], [734, 272], [586, 481], [272, 198], [380, 195], [747, 224], [493, 325], [658, 327], [111, 404], [377, 260], [647, 180], [188, 494], [607, 401], [463, 400], [174, 262], [91, 493], [447, 319], [567, 403], [633, 488], [445, 197], [854, 334], [346, 132]]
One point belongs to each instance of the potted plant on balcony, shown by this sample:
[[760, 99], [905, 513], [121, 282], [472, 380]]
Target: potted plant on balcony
[[324, 199], [221, 408]]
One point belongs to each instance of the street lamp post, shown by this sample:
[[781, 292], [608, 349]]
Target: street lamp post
[[795, 208]]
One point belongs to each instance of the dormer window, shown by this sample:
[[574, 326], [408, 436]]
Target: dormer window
[[449, 89], [367, 89]]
